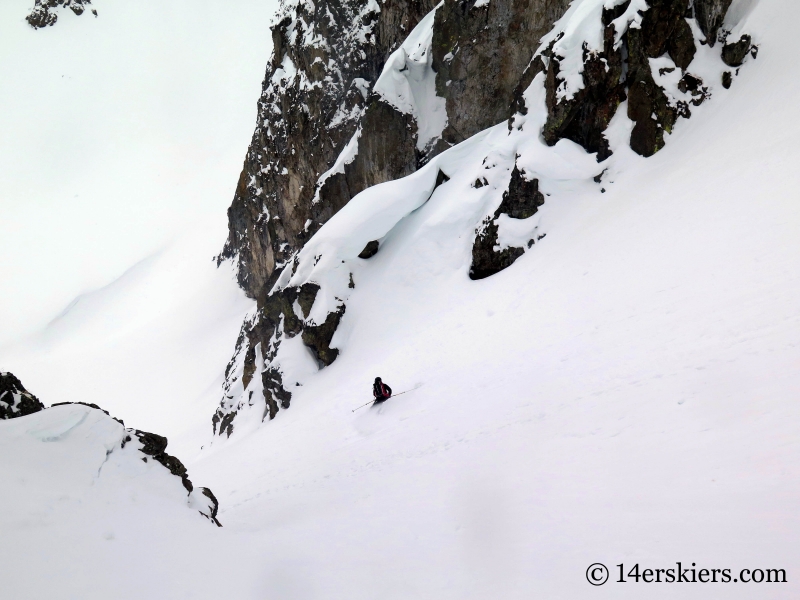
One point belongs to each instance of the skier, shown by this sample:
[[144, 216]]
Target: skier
[[381, 391]]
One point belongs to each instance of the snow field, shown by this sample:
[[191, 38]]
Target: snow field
[[622, 394]]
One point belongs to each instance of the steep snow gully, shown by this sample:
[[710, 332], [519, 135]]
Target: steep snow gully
[[596, 309]]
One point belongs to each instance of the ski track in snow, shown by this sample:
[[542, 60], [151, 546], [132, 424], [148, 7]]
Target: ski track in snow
[[624, 393]]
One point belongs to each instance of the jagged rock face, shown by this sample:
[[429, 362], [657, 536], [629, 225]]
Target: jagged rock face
[[370, 250], [710, 14], [276, 320], [480, 51], [584, 117], [44, 12], [15, 400], [386, 150], [328, 129], [316, 98], [521, 201], [327, 55], [622, 70]]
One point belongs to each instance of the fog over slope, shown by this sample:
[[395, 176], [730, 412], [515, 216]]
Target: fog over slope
[[622, 393], [122, 141]]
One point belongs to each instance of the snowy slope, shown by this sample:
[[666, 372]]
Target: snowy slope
[[623, 393], [85, 513], [119, 132], [122, 141]]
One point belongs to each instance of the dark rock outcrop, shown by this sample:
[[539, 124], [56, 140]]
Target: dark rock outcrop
[[155, 445], [480, 54], [318, 337], [15, 400], [734, 54], [486, 261], [370, 250], [44, 12], [584, 117], [317, 96], [710, 14], [621, 71], [327, 56], [727, 79], [521, 201], [276, 319]]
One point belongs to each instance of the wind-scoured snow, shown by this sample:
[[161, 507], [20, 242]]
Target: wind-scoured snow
[[625, 392]]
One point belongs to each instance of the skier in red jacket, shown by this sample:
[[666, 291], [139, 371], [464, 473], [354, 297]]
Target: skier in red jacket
[[381, 391]]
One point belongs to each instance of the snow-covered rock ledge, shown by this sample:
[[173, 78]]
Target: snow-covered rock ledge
[[71, 450]]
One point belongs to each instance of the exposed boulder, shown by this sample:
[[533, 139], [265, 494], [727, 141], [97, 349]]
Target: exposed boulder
[[316, 94], [486, 259], [727, 79], [522, 199], [734, 54], [370, 250], [680, 45]]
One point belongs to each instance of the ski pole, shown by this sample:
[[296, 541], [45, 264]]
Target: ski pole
[[363, 405], [392, 396]]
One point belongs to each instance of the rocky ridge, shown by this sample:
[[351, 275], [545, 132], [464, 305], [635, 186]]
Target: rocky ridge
[[45, 12], [16, 401], [481, 59]]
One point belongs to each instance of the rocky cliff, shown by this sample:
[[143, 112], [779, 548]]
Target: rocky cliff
[[358, 94]]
